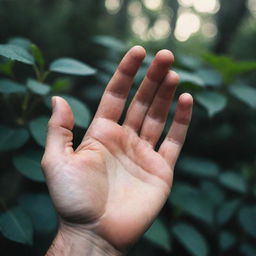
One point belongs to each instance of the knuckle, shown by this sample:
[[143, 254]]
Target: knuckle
[[56, 129]]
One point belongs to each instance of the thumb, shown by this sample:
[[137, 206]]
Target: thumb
[[60, 136]]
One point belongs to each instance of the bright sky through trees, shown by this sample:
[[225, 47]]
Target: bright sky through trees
[[193, 16]]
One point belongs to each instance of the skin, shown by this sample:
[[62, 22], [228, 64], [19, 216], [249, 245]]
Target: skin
[[110, 189]]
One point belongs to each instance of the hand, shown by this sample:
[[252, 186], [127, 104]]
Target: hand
[[114, 184]]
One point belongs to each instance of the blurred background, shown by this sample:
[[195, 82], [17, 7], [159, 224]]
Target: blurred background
[[71, 48]]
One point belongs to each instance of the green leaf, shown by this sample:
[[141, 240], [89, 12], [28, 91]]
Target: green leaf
[[198, 167], [189, 62], [80, 110], [38, 87], [7, 87], [38, 56], [17, 53], [210, 77], [158, 234], [21, 42], [193, 202], [108, 42], [213, 192], [227, 210], [61, 85], [190, 78], [228, 67], [28, 164], [191, 239], [40, 208], [6, 68], [244, 93], [233, 181], [226, 240], [213, 102], [12, 138], [247, 220], [38, 128], [16, 225], [71, 66]]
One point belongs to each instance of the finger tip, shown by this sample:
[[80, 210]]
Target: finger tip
[[165, 57], [184, 109], [138, 52], [186, 99], [59, 99], [54, 100], [62, 113], [174, 76]]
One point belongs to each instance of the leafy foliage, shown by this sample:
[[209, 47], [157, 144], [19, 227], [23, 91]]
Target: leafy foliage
[[12, 138], [199, 167], [28, 164], [17, 53], [226, 240], [245, 93], [33, 205], [8, 86], [38, 129], [212, 101], [71, 66], [211, 210], [233, 181], [37, 87], [192, 202], [158, 234], [192, 240], [247, 217], [228, 67], [190, 78], [108, 42], [16, 225], [24, 131]]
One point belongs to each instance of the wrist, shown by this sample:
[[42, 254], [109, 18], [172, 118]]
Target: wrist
[[72, 241]]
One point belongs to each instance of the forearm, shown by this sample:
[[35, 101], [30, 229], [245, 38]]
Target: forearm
[[70, 243]]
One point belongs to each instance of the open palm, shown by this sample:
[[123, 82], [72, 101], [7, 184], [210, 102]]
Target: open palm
[[115, 183]]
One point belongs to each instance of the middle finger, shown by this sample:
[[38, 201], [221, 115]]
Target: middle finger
[[146, 92]]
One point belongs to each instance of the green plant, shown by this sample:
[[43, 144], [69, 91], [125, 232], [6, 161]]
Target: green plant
[[26, 105], [211, 210]]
